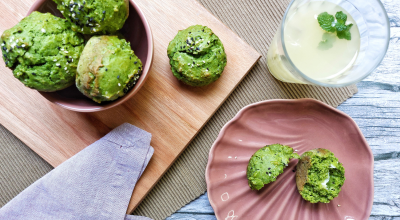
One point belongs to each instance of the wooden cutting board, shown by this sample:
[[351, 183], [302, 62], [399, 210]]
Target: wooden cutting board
[[174, 113]]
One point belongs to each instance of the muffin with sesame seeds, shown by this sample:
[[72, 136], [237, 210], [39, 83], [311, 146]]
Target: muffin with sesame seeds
[[319, 176], [94, 16], [107, 68], [42, 51], [197, 56], [267, 163]]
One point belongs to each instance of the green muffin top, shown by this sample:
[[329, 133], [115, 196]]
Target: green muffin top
[[94, 16], [42, 51], [319, 176], [107, 69], [197, 56], [267, 163]]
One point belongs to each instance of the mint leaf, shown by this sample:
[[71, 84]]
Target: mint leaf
[[328, 23], [340, 26], [326, 20], [327, 41], [340, 16], [345, 34]]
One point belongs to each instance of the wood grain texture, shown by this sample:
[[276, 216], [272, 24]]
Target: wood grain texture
[[376, 110], [171, 111]]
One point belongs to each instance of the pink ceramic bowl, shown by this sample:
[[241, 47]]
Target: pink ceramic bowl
[[136, 30], [303, 124]]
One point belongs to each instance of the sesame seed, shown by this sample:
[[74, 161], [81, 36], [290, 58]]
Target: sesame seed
[[62, 12], [43, 30], [23, 45], [17, 41], [119, 84], [207, 69], [62, 48], [65, 68], [188, 64], [2, 44], [57, 64], [66, 51], [55, 60], [338, 205], [204, 61], [72, 60]]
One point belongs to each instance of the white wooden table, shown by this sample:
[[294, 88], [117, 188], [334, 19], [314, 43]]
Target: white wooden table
[[376, 110]]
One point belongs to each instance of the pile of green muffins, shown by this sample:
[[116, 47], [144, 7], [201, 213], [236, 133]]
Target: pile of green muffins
[[48, 53], [319, 175]]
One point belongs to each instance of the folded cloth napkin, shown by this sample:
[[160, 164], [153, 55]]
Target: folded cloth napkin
[[96, 183]]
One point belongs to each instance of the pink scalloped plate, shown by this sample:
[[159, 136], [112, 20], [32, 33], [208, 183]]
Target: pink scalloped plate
[[303, 124]]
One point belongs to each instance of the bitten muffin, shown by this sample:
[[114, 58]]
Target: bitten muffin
[[95, 16], [319, 176], [267, 163], [107, 69], [42, 51], [197, 56]]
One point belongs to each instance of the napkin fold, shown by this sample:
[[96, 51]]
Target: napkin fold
[[96, 183]]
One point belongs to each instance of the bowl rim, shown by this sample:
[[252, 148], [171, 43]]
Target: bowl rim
[[302, 100], [143, 77]]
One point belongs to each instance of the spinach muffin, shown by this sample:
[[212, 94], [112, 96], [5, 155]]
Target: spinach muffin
[[95, 16], [107, 69], [197, 56], [267, 163], [42, 51], [319, 176]]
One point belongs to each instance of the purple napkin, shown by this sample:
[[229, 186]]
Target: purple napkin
[[96, 183]]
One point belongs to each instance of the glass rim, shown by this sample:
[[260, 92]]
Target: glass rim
[[315, 82]]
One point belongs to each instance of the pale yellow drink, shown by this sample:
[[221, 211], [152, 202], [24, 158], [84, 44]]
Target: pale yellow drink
[[316, 53]]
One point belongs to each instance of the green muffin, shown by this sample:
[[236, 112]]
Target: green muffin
[[319, 176], [267, 163], [197, 56], [95, 16], [42, 51], [107, 69]]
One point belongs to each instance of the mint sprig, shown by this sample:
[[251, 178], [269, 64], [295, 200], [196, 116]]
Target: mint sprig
[[328, 23]]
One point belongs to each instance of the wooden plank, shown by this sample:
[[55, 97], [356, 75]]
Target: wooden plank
[[171, 111]]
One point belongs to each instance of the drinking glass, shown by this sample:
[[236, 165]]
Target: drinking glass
[[374, 27]]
